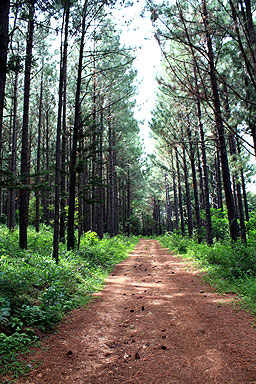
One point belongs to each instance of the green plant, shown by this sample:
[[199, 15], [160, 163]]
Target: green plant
[[35, 292]]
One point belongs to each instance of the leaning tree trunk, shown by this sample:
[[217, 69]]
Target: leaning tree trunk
[[233, 226], [24, 193]]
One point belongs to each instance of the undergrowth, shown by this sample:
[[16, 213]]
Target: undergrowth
[[35, 293], [228, 267]]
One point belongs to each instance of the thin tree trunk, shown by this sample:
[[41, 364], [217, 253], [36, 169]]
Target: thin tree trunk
[[175, 194], [115, 194], [128, 201], [100, 188], [4, 40], [46, 215], [180, 194], [168, 206], [63, 55], [219, 183], [64, 145], [205, 167], [76, 130], [246, 210], [233, 226], [195, 187], [24, 193], [38, 160], [13, 167]]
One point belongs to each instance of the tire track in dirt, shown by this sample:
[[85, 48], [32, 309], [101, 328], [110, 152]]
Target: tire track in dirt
[[154, 323]]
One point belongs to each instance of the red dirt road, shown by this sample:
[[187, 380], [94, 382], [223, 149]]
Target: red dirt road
[[154, 323]]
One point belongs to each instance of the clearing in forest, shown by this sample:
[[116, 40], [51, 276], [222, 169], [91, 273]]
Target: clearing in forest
[[154, 323]]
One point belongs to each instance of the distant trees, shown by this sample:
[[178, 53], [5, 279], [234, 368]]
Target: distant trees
[[70, 153], [208, 56], [70, 161]]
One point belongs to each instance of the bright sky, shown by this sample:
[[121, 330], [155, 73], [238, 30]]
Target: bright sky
[[138, 32]]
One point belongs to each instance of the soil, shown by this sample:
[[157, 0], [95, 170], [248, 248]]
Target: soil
[[155, 322]]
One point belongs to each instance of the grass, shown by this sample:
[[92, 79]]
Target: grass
[[35, 293], [228, 267]]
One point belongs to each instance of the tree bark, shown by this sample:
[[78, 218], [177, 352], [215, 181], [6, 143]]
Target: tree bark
[[233, 226], [63, 63], [4, 40], [205, 178], [76, 130], [64, 141], [195, 187], [182, 226], [38, 160], [13, 167], [188, 198], [24, 193], [175, 194]]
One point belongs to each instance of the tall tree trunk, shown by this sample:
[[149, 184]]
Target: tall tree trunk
[[63, 146], [111, 220], [233, 226], [237, 191], [195, 187], [46, 215], [63, 63], [159, 217], [115, 185], [188, 198], [100, 174], [205, 177], [76, 130], [24, 193], [128, 201], [155, 216], [13, 167], [38, 160], [219, 183], [200, 173], [182, 226], [4, 40], [168, 206], [246, 210], [175, 193]]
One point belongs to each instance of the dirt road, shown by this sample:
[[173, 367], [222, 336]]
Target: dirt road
[[154, 323]]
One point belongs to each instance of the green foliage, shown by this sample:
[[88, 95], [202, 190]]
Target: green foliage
[[220, 226], [175, 242], [35, 292]]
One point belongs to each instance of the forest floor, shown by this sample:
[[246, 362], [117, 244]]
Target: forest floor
[[155, 322]]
